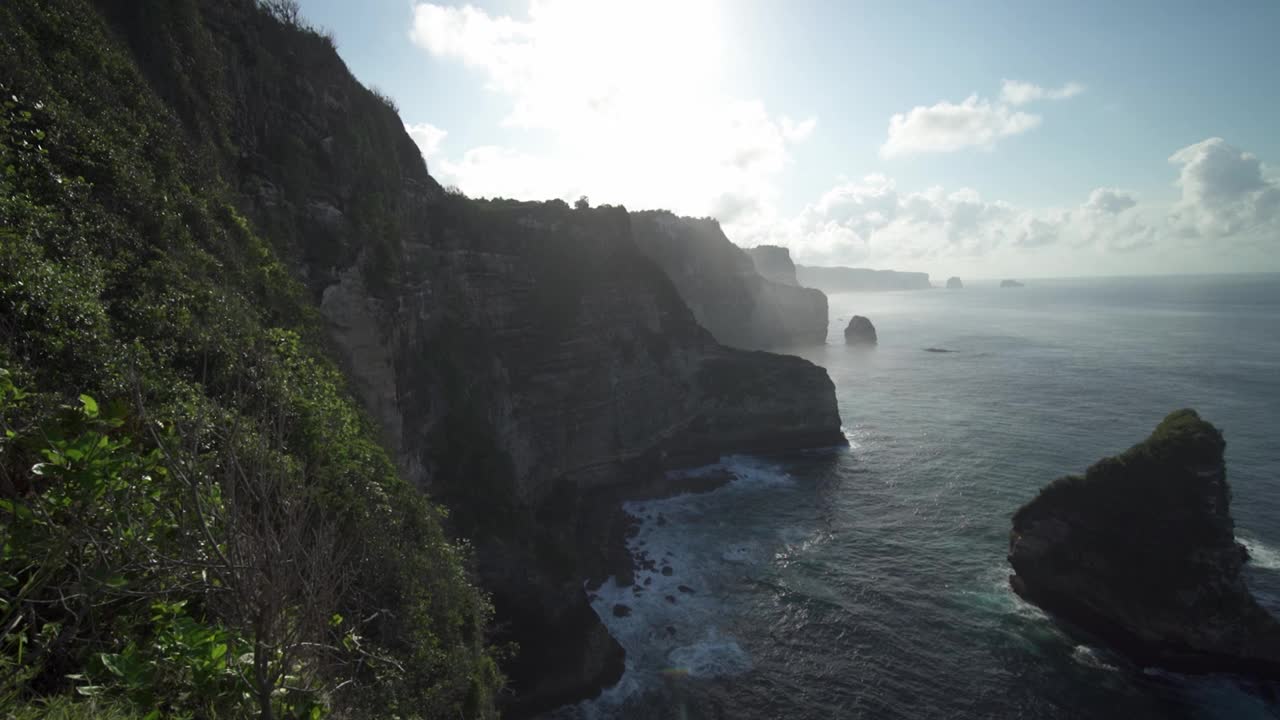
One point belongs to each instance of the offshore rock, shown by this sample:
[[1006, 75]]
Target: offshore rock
[[953, 283], [860, 331], [1140, 553]]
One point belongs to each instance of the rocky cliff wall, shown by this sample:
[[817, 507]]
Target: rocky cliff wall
[[719, 282], [526, 363], [773, 262]]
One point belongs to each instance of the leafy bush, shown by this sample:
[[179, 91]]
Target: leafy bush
[[196, 518]]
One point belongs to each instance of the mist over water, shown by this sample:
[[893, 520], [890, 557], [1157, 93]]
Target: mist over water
[[871, 582]]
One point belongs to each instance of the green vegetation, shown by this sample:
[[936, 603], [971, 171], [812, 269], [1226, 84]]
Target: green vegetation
[[195, 518], [1153, 511]]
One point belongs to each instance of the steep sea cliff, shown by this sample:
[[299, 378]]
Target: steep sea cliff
[[526, 363]]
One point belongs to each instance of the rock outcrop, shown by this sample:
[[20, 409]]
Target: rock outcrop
[[953, 283], [719, 282], [773, 262], [846, 279], [1011, 284], [860, 331], [526, 363], [1140, 552]]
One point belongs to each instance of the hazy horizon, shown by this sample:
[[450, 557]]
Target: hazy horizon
[[1085, 139]]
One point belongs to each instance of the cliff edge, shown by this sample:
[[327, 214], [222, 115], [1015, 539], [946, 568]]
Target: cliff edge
[[1140, 552], [719, 282], [525, 363]]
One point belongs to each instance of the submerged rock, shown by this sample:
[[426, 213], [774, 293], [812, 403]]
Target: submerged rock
[[953, 283], [860, 331], [1140, 552], [938, 350]]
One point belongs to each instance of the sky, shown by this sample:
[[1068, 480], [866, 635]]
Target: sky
[[980, 139]]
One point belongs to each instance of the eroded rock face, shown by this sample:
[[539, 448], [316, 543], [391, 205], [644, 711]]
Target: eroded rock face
[[954, 283], [860, 331], [719, 282], [773, 262], [525, 362], [1140, 552]]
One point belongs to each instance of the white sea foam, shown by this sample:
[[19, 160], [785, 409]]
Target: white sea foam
[[690, 557], [1261, 555], [1089, 657], [713, 656]]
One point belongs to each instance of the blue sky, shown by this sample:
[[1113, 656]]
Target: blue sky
[[1133, 137]]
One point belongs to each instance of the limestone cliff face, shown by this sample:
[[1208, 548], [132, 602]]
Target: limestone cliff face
[[527, 364], [773, 262], [719, 282], [1140, 552]]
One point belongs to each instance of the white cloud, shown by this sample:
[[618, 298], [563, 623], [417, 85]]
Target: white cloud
[[1110, 201], [1014, 92], [974, 122], [947, 127], [1224, 191], [427, 137], [620, 103]]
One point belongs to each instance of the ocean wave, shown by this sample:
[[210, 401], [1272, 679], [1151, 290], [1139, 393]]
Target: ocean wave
[[1261, 555]]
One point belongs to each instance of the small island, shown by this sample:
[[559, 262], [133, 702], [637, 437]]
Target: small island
[[860, 331], [1011, 284], [953, 283], [1140, 553]]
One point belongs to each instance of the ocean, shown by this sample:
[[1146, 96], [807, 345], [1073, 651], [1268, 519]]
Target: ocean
[[871, 582]]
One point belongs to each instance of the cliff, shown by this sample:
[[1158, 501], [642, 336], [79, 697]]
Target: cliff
[[1140, 552], [846, 279], [525, 363], [719, 282], [773, 262]]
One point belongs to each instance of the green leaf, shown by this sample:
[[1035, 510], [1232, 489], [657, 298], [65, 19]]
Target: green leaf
[[90, 406], [218, 651]]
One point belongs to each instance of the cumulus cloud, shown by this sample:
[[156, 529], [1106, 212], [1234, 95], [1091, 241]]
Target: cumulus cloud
[[974, 122], [1226, 194], [427, 137], [947, 127], [1110, 201], [1014, 92], [623, 103], [1224, 191]]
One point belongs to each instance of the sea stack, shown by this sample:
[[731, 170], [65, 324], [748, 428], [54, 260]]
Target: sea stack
[[1140, 553], [953, 283], [860, 331]]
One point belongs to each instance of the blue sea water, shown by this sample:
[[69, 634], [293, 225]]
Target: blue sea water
[[872, 582]]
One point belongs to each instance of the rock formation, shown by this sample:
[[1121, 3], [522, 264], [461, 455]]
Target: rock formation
[[719, 282], [847, 279], [1140, 553], [773, 262], [953, 283], [1011, 284], [860, 331], [525, 362]]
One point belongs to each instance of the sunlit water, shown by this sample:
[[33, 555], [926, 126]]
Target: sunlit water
[[871, 582]]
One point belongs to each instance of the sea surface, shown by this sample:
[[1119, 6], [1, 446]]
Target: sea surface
[[871, 582]]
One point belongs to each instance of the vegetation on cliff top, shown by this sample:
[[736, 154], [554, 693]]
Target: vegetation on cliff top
[[1151, 510], [196, 520]]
